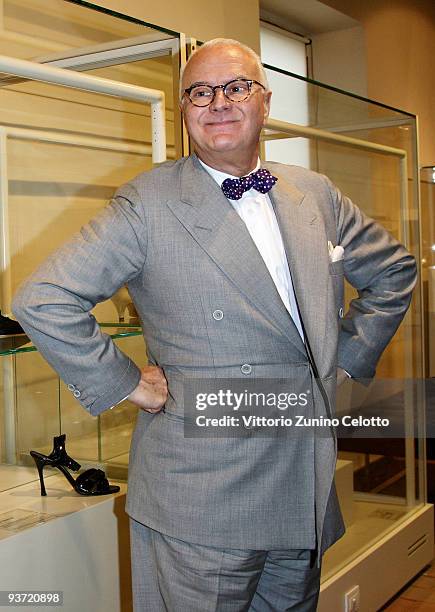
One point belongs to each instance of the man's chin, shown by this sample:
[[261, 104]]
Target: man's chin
[[224, 143]]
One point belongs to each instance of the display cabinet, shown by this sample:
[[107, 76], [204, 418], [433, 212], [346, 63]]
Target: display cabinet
[[369, 151], [36, 405], [87, 103]]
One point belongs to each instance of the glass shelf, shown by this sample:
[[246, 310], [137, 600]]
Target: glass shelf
[[11, 345]]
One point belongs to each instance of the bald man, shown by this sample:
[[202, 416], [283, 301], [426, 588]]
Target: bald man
[[236, 269]]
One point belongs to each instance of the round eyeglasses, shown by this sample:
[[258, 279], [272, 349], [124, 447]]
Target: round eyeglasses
[[237, 90]]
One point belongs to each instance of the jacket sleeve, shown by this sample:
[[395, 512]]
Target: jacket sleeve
[[384, 274], [54, 304]]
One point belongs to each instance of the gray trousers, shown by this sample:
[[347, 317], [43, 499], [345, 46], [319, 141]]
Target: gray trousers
[[170, 575]]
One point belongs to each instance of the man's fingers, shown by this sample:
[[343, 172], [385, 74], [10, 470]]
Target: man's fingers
[[152, 410], [152, 374], [152, 391]]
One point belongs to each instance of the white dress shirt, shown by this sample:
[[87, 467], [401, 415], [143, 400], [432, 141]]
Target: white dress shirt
[[256, 210]]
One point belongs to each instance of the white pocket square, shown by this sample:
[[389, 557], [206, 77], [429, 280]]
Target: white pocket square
[[335, 252]]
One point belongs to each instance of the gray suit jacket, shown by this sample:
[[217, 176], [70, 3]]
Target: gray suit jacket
[[184, 252]]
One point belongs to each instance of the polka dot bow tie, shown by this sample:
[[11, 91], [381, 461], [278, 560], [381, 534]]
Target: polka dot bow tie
[[261, 180]]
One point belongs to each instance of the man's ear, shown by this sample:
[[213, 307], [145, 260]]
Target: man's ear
[[267, 97]]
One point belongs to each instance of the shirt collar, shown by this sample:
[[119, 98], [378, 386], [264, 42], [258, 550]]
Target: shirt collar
[[219, 176]]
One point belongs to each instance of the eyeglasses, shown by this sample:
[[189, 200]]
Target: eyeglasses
[[237, 90]]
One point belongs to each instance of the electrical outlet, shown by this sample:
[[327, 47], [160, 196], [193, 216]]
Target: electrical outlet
[[351, 600]]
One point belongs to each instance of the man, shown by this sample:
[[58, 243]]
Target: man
[[247, 285]]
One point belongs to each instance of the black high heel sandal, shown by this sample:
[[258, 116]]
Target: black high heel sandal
[[91, 482]]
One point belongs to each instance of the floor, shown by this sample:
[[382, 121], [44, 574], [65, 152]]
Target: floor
[[419, 595]]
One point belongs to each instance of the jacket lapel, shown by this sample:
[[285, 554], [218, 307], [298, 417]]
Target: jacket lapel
[[303, 234], [211, 220]]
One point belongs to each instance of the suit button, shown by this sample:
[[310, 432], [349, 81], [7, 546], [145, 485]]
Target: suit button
[[340, 313], [77, 393], [218, 315], [71, 387], [246, 368]]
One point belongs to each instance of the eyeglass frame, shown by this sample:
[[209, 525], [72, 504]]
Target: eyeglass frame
[[250, 82]]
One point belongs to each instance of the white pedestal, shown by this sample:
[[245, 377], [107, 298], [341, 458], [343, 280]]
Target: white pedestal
[[82, 549], [384, 567]]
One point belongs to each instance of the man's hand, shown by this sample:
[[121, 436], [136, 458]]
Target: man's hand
[[152, 390]]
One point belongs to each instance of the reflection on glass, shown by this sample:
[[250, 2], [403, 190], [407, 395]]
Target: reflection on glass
[[122, 301]]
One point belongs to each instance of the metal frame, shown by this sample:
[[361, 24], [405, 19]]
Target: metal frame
[[69, 78], [124, 51], [129, 51]]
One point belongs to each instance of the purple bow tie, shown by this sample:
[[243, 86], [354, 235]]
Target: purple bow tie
[[261, 180]]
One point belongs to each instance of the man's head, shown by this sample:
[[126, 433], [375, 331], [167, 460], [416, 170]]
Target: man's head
[[225, 133]]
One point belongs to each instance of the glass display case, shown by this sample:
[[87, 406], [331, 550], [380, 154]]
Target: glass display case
[[35, 406], [63, 152], [369, 151]]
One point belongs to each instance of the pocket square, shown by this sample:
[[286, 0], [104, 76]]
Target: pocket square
[[335, 252]]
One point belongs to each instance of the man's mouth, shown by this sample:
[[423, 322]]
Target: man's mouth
[[222, 123]]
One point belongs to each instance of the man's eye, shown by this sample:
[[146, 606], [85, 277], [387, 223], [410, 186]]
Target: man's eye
[[200, 93], [237, 88]]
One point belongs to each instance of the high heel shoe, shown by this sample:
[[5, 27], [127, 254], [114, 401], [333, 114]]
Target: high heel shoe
[[90, 482]]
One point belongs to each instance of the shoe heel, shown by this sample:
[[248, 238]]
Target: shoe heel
[[40, 463]]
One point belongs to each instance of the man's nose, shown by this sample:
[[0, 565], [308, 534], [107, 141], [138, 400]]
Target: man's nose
[[220, 101]]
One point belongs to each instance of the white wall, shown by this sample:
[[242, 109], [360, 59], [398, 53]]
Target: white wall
[[290, 96], [339, 59]]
